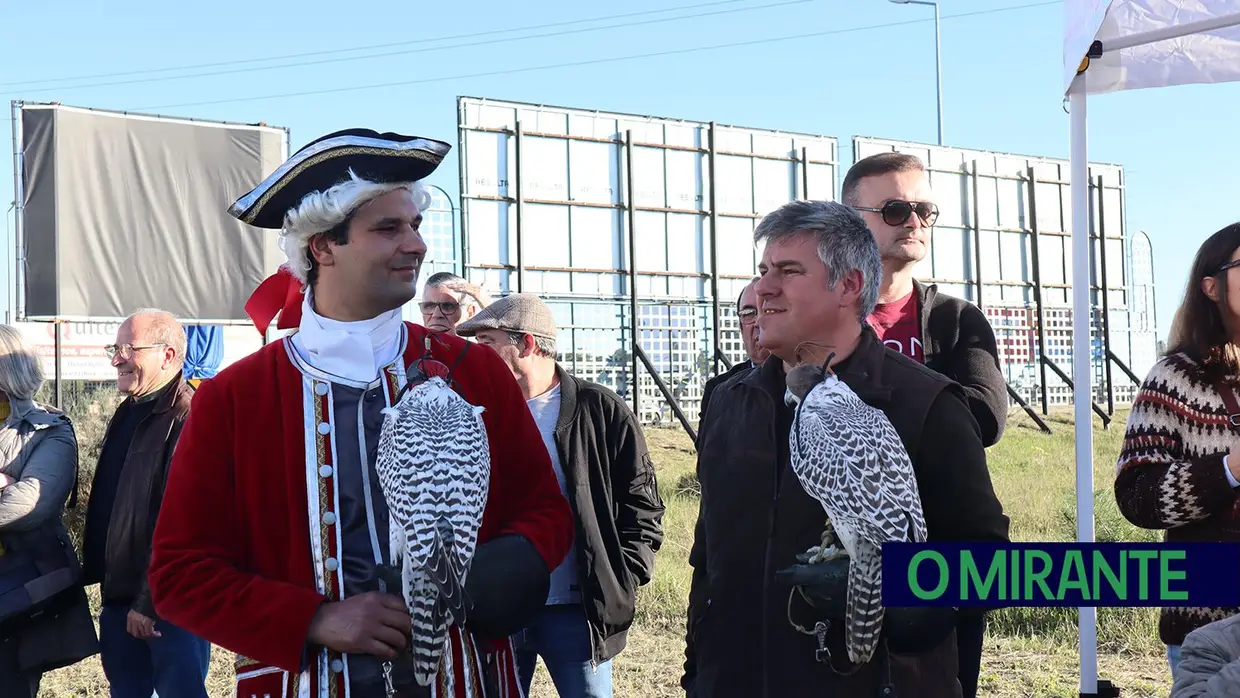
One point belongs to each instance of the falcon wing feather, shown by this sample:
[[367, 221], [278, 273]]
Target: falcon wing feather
[[849, 457], [434, 469]]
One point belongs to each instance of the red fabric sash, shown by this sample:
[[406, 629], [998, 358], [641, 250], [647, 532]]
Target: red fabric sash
[[278, 293]]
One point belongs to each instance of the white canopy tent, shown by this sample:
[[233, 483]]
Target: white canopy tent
[[1113, 45]]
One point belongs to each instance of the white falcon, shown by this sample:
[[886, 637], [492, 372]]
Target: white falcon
[[434, 468], [848, 456]]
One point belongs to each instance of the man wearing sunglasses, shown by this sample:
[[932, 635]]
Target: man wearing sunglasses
[[274, 541], [948, 334]]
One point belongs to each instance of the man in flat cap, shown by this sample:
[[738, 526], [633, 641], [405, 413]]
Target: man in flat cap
[[604, 468], [273, 540]]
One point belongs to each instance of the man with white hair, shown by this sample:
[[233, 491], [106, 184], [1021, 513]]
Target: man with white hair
[[140, 651], [278, 542], [448, 300]]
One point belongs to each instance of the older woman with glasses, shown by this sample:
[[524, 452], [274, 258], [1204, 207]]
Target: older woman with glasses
[[448, 300], [52, 627], [1179, 467]]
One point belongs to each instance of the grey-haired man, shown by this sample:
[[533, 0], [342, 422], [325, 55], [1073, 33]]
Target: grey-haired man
[[605, 471]]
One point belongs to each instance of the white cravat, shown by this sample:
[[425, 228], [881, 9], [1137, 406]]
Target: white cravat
[[355, 351]]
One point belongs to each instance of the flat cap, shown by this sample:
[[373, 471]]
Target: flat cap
[[518, 312]]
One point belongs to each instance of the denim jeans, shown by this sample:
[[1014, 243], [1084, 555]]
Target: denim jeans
[[172, 666], [1173, 658], [561, 636]]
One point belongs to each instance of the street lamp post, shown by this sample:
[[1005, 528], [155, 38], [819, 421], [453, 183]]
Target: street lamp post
[[938, 65]]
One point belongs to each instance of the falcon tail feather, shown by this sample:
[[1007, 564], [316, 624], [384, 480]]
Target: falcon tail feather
[[442, 565], [435, 597], [864, 603]]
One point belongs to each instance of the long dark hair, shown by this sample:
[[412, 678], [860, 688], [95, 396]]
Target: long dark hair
[[1201, 328]]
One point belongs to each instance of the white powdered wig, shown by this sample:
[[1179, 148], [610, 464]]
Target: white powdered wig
[[321, 211]]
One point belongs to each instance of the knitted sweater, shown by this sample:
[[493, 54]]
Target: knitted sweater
[[1171, 475]]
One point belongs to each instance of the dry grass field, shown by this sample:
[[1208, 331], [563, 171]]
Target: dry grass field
[[1029, 653]]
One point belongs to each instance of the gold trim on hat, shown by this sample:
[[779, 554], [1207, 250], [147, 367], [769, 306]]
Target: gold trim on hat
[[280, 184]]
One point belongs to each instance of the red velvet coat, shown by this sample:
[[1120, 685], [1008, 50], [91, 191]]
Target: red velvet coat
[[242, 556]]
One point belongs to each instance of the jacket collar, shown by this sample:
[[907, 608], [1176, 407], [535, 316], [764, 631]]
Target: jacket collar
[[166, 397], [862, 371], [26, 410], [926, 294], [568, 398]]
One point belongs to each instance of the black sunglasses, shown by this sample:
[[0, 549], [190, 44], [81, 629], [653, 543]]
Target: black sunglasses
[[897, 212]]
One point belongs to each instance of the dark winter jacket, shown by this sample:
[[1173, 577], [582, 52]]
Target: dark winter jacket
[[616, 502], [960, 343], [754, 518], [131, 525], [714, 382]]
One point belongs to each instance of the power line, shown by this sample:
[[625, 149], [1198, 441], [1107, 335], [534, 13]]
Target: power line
[[597, 61], [423, 40], [419, 50]]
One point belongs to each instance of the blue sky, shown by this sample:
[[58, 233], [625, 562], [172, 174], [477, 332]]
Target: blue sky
[[870, 71]]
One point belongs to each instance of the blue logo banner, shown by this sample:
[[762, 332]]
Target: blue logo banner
[[1061, 574]]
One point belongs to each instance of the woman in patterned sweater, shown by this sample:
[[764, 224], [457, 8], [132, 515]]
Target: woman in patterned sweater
[[1179, 466]]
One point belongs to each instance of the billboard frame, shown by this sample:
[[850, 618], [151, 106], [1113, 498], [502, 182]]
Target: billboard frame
[[626, 143], [17, 307], [980, 218]]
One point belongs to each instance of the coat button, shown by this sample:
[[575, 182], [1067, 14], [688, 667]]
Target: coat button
[[325, 471], [320, 388], [329, 518], [337, 666], [324, 428], [332, 564]]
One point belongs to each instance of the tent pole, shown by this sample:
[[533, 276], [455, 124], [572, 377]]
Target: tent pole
[[1175, 31], [1082, 374]]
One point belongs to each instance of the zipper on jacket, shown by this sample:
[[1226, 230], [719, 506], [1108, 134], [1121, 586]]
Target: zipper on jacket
[[570, 481]]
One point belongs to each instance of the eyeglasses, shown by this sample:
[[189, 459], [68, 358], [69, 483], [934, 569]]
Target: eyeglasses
[[446, 307], [126, 350], [1228, 265], [897, 212], [748, 314]]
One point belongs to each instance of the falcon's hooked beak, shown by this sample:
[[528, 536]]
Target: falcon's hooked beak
[[790, 398]]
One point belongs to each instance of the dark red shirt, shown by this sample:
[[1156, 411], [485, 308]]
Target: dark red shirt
[[897, 326]]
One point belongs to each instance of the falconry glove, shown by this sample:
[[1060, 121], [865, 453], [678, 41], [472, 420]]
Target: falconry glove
[[507, 587]]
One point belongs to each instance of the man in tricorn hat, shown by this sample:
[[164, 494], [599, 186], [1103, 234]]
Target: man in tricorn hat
[[274, 531]]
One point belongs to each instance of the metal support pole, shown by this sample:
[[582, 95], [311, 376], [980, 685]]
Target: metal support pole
[[1035, 257], [1100, 221], [520, 197], [634, 323], [977, 234], [714, 250], [1087, 627], [462, 255], [804, 173], [938, 68], [938, 51], [667, 394], [19, 211], [57, 334]]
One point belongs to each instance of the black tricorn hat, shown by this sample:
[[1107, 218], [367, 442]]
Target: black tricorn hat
[[326, 161]]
